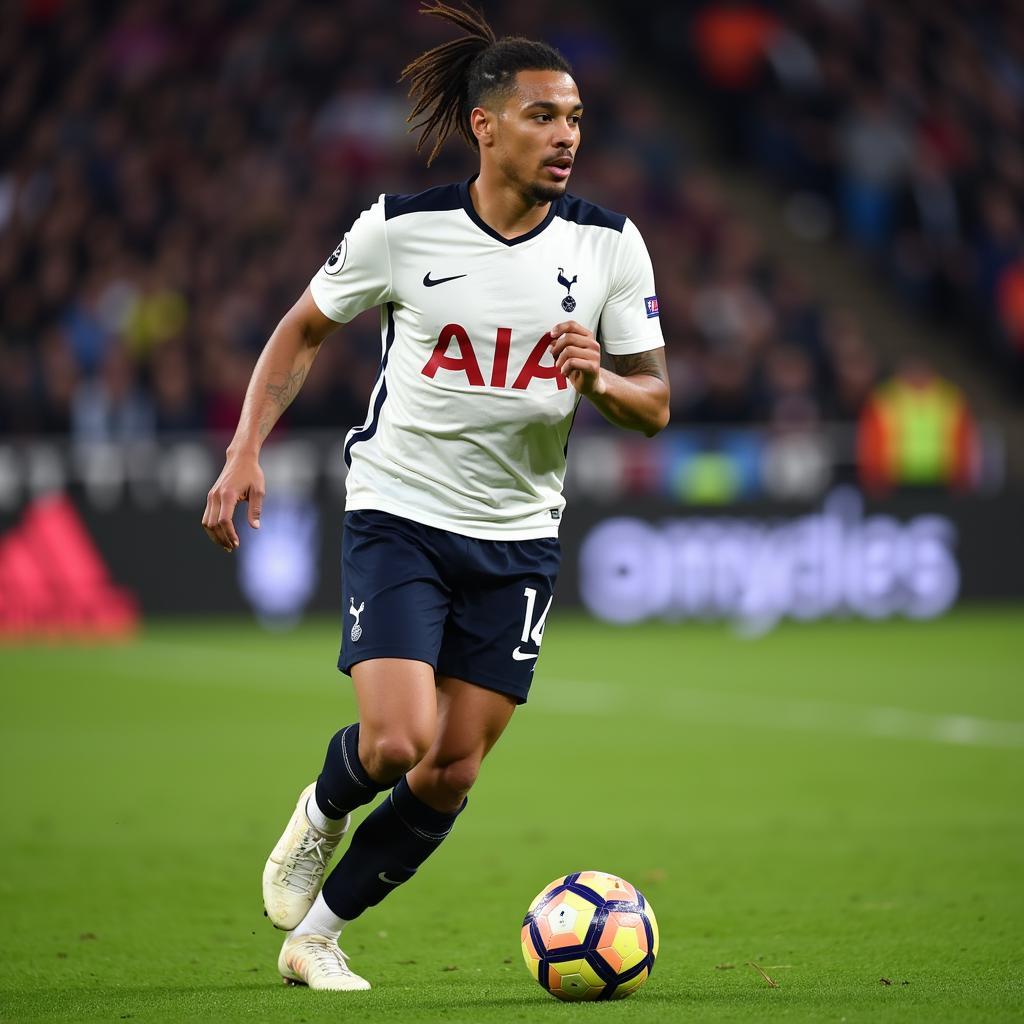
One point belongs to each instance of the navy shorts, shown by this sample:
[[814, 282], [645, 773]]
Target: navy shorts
[[472, 609]]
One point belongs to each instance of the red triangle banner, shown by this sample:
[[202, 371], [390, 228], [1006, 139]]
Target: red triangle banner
[[54, 582]]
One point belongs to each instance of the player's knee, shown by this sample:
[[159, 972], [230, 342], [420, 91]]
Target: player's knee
[[456, 779], [391, 755]]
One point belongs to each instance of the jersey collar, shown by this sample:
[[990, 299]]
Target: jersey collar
[[467, 205]]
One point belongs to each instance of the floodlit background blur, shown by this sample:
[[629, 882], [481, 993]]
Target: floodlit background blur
[[832, 193]]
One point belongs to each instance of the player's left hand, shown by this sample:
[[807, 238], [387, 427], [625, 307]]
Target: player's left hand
[[578, 357]]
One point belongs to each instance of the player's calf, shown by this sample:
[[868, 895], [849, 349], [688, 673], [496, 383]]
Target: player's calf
[[387, 849], [445, 785]]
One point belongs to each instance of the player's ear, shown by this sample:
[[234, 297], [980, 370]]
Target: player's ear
[[482, 123]]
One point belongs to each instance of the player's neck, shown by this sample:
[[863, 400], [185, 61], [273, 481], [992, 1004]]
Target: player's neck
[[502, 208]]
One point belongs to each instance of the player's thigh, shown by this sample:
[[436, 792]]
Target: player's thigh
[[496, 624], [470, 721], [397, 703]]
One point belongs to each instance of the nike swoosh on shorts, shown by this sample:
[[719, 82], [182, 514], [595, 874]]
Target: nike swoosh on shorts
[[519, 655]]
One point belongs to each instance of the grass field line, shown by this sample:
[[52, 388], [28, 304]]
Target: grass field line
[[602, 698]]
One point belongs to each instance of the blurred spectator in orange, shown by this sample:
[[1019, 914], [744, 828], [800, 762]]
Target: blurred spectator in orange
[[916, 430], [1010, 295], [731, 41]]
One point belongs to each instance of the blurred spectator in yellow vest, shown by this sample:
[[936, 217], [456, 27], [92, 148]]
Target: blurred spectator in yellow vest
[[916, 431]]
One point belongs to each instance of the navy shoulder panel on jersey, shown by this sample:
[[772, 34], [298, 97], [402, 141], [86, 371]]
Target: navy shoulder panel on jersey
[[442, 197], [579, 211]]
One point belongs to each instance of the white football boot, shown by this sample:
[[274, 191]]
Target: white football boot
[[295, 871], [316, 961]]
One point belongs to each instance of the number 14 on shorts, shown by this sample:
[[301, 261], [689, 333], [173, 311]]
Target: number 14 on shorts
[[532, 632]]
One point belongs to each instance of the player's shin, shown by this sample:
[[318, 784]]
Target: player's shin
[[386, 850]]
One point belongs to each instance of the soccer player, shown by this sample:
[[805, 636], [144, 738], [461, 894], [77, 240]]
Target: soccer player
[[496, 298]]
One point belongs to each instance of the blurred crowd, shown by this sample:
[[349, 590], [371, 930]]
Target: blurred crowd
[[907, 119], [174, 175]]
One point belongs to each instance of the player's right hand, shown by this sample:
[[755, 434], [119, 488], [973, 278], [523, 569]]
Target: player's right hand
[[241, 479]]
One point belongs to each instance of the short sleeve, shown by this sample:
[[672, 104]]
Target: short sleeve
[[357, 275], [629, 320]]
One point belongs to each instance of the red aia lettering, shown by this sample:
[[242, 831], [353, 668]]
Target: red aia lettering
[[467, 361], [532, 368], [439, 359], [502, 343]]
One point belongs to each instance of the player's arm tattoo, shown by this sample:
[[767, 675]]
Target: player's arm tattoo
[[283, 393], [649, 364], [282, 388]]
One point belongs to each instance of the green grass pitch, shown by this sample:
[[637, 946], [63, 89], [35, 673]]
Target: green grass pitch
[[838, 803]]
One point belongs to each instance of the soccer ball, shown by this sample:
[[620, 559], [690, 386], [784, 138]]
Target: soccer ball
[[590, 935]]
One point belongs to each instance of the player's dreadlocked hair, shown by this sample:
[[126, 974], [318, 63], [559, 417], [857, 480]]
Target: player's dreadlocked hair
[[448, 81]]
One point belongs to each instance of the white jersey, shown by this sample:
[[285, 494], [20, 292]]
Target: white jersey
[[469, 420]]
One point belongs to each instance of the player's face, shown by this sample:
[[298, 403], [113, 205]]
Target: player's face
[[538, 133]]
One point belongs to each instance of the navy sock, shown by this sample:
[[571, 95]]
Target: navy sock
[[387, 848], [344, 783]]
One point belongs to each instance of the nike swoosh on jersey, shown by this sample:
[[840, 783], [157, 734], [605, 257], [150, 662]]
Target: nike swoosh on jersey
[[519, 655], [430, 282], [387, 881]]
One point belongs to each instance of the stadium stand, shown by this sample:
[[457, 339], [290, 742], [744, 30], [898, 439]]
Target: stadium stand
[[906, 119], [179, 173]]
